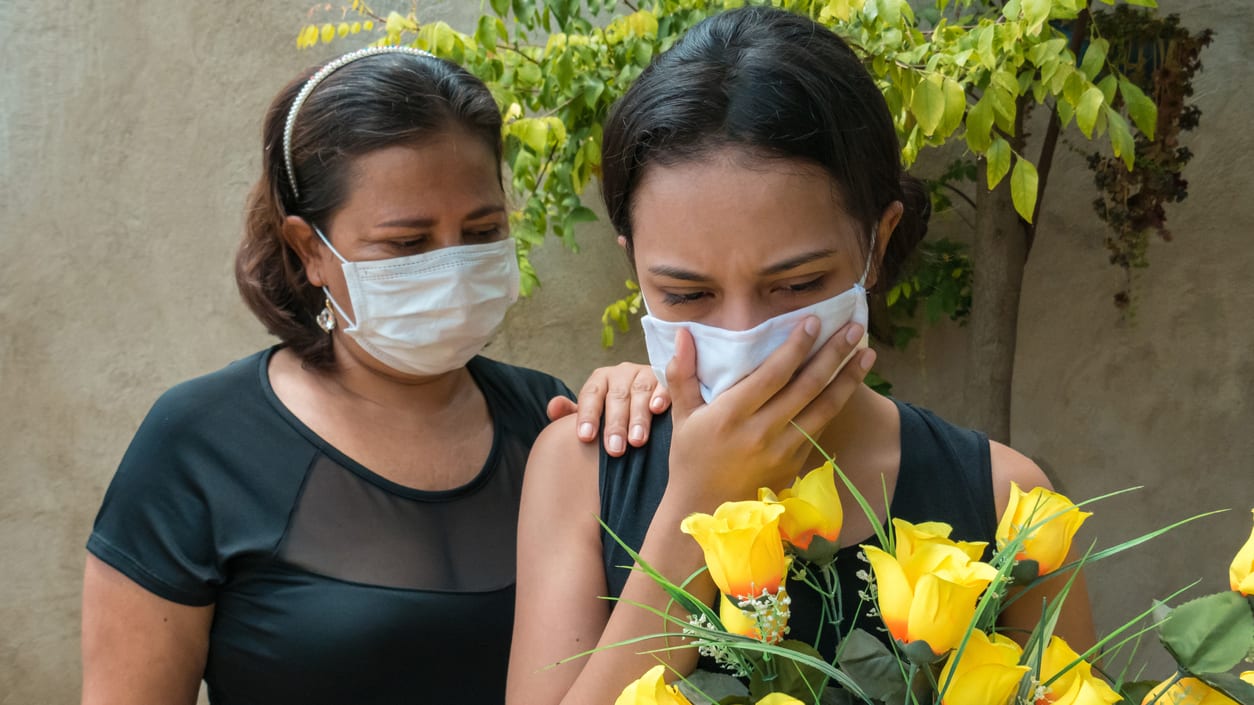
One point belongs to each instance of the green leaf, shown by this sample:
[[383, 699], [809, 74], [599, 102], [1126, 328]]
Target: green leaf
[[1023, 185], [1142, 110], [979, 130], [955, 106], [869, 662], [500, 7], [1121, 141], [532, 132], [1035, 12], [1094, 58], [1211, 634], [998, 157], [1088, 109], [928, 103]]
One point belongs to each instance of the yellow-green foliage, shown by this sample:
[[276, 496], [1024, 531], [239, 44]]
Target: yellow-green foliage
[[956, 69]]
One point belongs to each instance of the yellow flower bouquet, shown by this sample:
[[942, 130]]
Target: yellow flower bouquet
[[937, 601]]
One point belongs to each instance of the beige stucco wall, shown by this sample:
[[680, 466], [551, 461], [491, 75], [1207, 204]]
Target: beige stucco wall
[[128, 137]]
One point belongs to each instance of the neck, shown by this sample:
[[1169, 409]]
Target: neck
[[361, 381], [859, 424]]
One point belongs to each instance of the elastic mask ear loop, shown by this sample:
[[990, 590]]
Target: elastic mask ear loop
[[869, 257], [326, 290]]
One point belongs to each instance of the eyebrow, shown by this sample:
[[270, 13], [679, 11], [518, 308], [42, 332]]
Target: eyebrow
[[420, 222], [672, 272]]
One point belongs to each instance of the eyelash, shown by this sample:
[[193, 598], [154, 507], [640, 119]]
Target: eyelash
[[673, 299], [488, 234]]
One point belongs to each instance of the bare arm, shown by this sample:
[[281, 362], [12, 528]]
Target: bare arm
[[139, 649], [559, 612], [1075, 621]]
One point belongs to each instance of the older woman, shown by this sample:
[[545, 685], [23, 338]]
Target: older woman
[[333, 520]]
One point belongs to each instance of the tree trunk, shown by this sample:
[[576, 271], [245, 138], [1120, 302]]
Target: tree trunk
[[1000, 254]]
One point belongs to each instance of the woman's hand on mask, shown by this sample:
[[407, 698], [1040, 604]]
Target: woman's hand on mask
[[628, 394], [746, 438]]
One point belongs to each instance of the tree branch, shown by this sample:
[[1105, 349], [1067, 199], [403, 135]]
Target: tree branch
[[1079, 29]]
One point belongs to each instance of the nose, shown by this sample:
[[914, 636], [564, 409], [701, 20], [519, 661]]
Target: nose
[[741, 313]]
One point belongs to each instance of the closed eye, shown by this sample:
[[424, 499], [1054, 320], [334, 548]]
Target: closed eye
[[803, 287], [676, 299]]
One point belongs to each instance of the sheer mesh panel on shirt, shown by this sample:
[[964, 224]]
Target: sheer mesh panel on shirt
[[348, 528]]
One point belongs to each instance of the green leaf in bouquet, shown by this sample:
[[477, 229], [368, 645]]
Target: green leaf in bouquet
[[1134, 693], [1025, 571], [1229, 685], [1211, 634], [706, 688], [869, 662], [795, 678]]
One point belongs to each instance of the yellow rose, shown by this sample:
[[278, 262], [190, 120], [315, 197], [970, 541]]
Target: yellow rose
[[1049, 542], [811, 508], [651, 689], [1248, 677], [779, 699], [928, 591], [987, 674], [1077, 685], [1186, 691], [1241, 572], [742, 547]]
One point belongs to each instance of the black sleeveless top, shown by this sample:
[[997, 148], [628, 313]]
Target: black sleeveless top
[[945, 475], [330, 583]]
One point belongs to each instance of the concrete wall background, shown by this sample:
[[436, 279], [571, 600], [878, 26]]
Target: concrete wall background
[[128, 139]]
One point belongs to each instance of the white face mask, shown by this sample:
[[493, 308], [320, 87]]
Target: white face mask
[[724, 357], [430, 313]]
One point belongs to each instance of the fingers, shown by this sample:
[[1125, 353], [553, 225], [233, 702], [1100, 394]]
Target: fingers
[[559, 407], [591, 402], [825, 407], [661, 400], [640, 414], [816, 375], [764, 383], [681, 376]]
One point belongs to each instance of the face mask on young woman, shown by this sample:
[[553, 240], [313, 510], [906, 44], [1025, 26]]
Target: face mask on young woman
[[724, 357], [429, 313]]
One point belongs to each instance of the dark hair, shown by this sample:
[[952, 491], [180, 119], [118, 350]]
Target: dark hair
[[781, 86], [375, 102]]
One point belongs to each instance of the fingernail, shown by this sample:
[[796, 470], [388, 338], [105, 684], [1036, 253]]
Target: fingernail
[[656, 403], [616, 443], [637, 433], [586, 430], [854, 334], [866, 360], [812, 326]]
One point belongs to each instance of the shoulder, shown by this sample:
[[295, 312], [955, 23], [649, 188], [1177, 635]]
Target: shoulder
[[1009, 465], [558, 455], [203, 397]]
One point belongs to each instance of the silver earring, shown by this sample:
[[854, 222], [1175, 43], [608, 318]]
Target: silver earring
[[326, 318]]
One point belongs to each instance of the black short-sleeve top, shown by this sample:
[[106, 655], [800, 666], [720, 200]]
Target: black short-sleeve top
[[330, 584], [945, 475]]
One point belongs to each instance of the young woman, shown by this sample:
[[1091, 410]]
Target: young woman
[[753, 175], [333, 520]]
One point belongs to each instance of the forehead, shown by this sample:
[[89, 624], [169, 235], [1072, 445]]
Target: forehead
[[733, 202], [445, 169]]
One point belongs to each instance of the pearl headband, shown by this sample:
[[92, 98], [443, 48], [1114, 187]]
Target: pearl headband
[[317, 78]]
